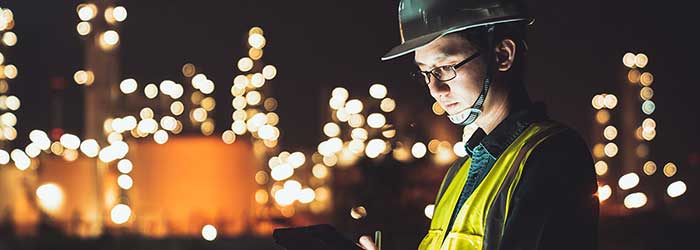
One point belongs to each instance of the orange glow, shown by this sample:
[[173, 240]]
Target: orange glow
[[191, 193]]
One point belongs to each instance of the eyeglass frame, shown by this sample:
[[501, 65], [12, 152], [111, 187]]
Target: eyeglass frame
[[426, 74]]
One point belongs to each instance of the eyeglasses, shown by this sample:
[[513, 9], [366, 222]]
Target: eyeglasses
[[442, 73]]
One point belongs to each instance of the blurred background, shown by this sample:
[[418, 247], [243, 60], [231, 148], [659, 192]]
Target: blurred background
[[207, 124]]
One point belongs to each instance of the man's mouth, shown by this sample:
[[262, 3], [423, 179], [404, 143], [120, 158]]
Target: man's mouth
[[451, 105]]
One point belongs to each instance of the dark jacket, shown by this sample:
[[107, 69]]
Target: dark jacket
[[555, 205]]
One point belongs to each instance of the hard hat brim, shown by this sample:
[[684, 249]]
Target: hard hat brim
[[418, 42], [411, 45]]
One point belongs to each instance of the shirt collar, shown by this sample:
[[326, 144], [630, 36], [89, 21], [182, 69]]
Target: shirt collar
[[505, 132]]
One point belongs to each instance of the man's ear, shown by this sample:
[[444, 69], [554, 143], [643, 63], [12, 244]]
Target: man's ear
[[505, 54]]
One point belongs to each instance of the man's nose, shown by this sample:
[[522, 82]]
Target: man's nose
[[438, 88]]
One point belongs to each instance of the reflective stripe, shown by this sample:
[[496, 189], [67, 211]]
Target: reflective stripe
[[449, 176], [480, 222]]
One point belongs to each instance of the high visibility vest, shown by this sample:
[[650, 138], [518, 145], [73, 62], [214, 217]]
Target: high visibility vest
[[481, 220]]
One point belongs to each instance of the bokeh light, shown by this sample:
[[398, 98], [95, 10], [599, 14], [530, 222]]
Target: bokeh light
[[610, 101], [670, 169], [353, 106], [128, 86], [256, 40], [125, 166], [646, 79], [255, 54], [270, 104], [358, 212], [12, 103], [109, 39], [429, 210], [648, 133], [10, 71], [604, 193], [635, 200], [376, 120], [90, 148], [460, 149], [86, 12], [331, 129], [648, 107], [320, 171], [70, 141], [209, 232], [307, 195], [160, 136], [50, 197], [261, 196], [284, 197], [641, 60], [253, 98], [601, 167], [261, 177], [83, 28], [628, 181], [437, 109], [257, 80], [228, 136], [374, 148], [602, 116], [629, 60], [598, 101], [418, 150], [646, 93], [85, 77], [245, 64], [120, 213], [387, 105], [649, 168], [282, 172], [610, 132], [611, 149], [119, 13], [9, 38], [634, 76], [199, 115], [269, 72], [125, 182], [676, 189], [255, 30], [4, 157], [377, 91]]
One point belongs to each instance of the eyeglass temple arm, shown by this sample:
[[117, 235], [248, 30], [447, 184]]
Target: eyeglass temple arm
[[467, 59]]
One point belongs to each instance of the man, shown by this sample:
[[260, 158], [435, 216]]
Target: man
[[527, 182]]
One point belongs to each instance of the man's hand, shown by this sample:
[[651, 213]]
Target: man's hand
[[367, 243]]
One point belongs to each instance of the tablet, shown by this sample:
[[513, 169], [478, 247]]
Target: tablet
[[316, 237]]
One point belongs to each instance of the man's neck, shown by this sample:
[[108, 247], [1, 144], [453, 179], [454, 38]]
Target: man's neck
[[499, 108], [494, 116]]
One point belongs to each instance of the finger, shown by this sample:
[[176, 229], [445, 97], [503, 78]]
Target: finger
[[367, 243]]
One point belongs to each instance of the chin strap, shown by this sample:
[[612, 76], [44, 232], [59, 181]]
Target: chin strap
[[469, 115]]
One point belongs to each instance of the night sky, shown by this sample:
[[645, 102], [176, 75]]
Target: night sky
[[576, 50]]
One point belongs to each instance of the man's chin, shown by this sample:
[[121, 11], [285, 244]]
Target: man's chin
[[454, 111]]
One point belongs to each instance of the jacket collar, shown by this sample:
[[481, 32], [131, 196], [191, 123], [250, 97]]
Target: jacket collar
[[507, 131]]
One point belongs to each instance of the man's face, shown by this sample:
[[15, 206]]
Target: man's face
[[459, 93]]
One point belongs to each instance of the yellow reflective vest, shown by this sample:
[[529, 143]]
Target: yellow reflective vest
[[481, 220]]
